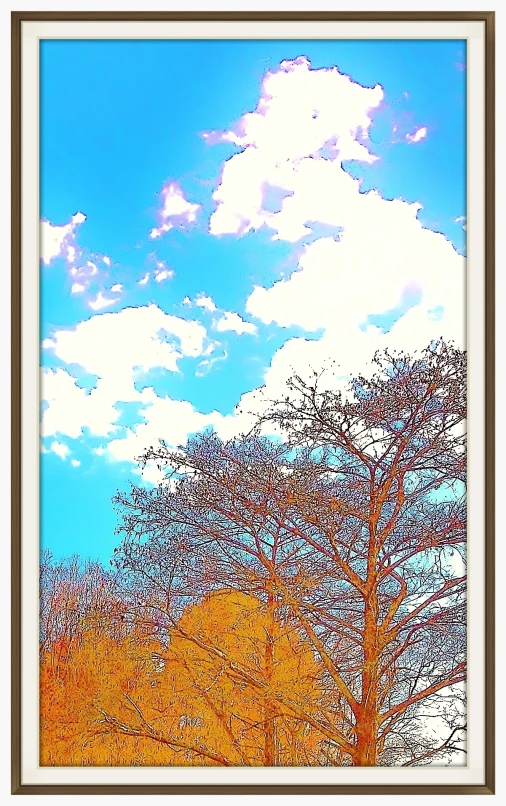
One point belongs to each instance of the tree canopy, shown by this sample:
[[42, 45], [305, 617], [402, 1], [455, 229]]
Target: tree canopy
[[301, 588]]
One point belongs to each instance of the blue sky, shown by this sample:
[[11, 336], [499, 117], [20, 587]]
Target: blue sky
[[172, 285]]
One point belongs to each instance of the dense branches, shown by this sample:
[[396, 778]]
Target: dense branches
[[347, 538]]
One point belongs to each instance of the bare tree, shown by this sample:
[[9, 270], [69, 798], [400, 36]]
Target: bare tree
[[352, 530]]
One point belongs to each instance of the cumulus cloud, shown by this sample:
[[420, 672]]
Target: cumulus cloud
[[117, 288], [303, 115], [232, 321], [75, 462], [171, 419], [77, 288], [117, 349], [70, 409], [175, 210], [58, 241], [341, 283], [293, 147], [307, 123]]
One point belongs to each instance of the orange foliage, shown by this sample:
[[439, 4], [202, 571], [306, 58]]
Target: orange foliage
[[209, 697]]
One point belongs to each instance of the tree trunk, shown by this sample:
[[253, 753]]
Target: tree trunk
[[270, 738], [366, 753]]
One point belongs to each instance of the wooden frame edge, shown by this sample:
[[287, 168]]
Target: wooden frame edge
[[16, 403], [17, 788]]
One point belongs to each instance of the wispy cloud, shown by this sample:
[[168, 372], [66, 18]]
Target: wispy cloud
[[176, 210], [60, 449], [101, 302], [417, 135]]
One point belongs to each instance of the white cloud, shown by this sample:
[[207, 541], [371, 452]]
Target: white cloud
[[77, 288], [101, 302], [117, 348], [306, 124], [418, 134], [169, 419], [75, 462], [57, 241], [302, 114], [164, 274], [380, 256], [107, 260], [203, 301], [175, 209], [70, 409], [117, 289], [232, 321], [156, 232], [60, 449], [112, 344]]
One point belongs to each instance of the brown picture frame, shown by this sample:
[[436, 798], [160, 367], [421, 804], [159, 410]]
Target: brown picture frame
[[17, 20]]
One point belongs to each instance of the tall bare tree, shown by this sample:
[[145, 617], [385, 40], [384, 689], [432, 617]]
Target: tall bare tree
[[352, 530]]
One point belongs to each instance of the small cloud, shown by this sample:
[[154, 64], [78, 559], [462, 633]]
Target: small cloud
[[459, 219], [207, 364], [203, 301], [144, 279], [75, 463], [418, 135], [77, 288], [187, 301], [60, 449], [165, 274], [58, 241], [101, 302], [162, 271], [176, 209], [99, 451], [232, 321], [157, 231], [117, 289], [107, 260]]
